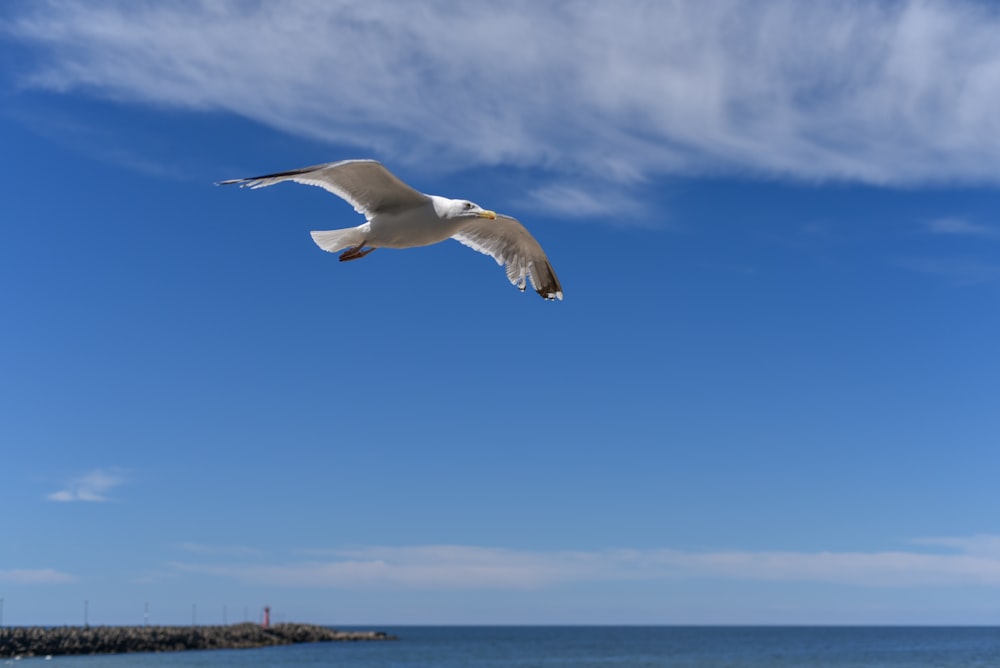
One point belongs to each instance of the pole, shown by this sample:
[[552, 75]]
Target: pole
[[86, 605]]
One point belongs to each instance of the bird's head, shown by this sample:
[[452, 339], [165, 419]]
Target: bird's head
[[462, 208]]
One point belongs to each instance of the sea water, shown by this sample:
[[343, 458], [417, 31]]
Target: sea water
[[600, 647]]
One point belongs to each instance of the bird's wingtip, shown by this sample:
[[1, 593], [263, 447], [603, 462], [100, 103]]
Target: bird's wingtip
[[550, 296]]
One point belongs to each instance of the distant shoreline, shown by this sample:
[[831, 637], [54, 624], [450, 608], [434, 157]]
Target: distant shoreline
[[64, 640]]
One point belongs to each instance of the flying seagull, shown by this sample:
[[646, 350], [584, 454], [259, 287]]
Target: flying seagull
[[397, 216]]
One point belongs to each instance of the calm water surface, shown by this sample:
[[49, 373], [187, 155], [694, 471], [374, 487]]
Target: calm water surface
[[595, 647]]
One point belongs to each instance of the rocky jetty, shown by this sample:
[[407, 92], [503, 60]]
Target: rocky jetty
[[43, 641]]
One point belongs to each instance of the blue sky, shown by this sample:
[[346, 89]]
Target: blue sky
[[770, 395]]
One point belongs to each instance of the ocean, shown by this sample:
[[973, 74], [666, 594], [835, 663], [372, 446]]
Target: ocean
[[600, 647]]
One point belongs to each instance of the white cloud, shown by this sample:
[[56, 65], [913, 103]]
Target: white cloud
[[606, 93], [219, 550], [983, 545], [960, 227], [35, 576], [571, 200], [958, 270], [470, 567], [435, 566], [92, 486]]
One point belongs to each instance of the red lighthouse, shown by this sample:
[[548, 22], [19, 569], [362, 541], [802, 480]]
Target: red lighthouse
[[267, 617]]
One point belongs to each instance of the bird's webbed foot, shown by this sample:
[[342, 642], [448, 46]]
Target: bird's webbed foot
[[355, 253]]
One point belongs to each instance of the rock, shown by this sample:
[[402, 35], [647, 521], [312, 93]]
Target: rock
[[42, 641]]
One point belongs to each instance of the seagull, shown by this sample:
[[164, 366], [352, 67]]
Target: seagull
[[397, 216]]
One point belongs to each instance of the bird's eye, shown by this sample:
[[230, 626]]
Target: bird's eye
[[468, 205]]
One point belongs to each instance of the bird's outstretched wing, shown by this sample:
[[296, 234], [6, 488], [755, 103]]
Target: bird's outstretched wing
[[368, 186], [509, 243]]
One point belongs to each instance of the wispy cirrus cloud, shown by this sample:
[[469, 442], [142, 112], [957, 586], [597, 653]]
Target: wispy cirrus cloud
[[219, 550], [961, 227], [983, 545], [962, 271], [472, 567], [571, 200], [93, 486], [33, 576], [959, 270], [873, 92]]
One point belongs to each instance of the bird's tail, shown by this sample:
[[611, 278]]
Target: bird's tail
[[335, 240]]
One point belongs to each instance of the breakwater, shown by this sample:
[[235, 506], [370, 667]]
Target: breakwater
[[43, 641]]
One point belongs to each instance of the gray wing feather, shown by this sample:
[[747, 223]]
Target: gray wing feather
[[510, 244], [365, 184]]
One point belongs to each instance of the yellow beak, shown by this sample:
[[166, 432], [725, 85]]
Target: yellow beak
[[492, 215]]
